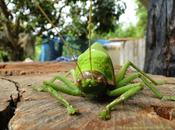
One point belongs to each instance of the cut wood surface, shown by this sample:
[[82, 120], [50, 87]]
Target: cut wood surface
[[31, 110]]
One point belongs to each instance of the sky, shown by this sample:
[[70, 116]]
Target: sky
[[130, 13]]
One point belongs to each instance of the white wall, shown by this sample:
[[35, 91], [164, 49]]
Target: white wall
[[122, 51]]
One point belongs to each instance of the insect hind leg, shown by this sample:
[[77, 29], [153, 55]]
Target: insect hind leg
[[147, 80], [122, 72]]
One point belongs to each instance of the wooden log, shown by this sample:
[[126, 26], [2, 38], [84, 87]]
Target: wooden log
[[39, 110], [8, 100]]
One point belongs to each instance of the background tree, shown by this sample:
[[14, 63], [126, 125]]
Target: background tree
[[19, 19], [137, 30], [160, 41], [105, 16], [70, 16]]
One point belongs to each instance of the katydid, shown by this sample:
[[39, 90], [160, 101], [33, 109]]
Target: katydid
[[94, 78], [98, 80]]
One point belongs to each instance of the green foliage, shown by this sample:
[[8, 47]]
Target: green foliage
[[141, 13], [135, 31], [75, 48], [3, 55], [29, 16], [130, 31], [106, 14]]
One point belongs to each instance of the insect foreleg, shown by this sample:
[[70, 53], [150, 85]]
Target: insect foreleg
[[72, 73], [127, 92], [49, 88], [66, 87], [69, 83], [63, 88]]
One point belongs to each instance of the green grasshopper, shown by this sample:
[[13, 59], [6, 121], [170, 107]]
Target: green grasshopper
[[97, 80], [94, 78]]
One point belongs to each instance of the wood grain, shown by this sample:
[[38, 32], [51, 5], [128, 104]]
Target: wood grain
[[40, 111]]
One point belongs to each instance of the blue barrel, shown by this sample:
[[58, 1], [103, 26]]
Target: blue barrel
[[51, 49]]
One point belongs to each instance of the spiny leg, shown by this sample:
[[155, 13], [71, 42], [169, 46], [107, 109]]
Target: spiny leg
[[145, 75], [150, 85], [63, 79], [69, 85], [67, 88], [128, 79], [70, 109], [72, 73], [155, 91], [122, 72], [118, 91], [124, 92], [132, 77], [63, 88]]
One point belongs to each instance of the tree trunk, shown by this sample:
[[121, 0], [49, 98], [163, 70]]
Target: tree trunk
[[160, 41], [13, 38], [17, 54]]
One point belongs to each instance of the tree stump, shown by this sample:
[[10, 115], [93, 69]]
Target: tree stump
[[38, 110]]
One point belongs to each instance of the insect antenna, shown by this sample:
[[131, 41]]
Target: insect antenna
[[90, 26], [59, 34]]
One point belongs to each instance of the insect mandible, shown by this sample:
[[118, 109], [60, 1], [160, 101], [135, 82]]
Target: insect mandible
[[94, 78]]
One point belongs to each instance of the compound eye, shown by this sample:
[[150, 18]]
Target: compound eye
[[100, 79], [78, 81]]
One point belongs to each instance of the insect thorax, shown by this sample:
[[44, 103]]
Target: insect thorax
[[100, 62], [93, 83]]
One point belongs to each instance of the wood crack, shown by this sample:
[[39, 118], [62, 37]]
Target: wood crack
[[7, 114]]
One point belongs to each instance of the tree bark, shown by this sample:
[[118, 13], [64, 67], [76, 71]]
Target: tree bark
[[160, 41]]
